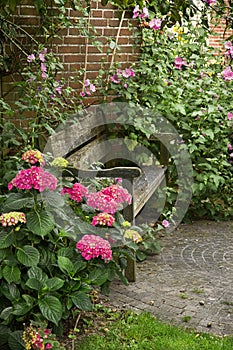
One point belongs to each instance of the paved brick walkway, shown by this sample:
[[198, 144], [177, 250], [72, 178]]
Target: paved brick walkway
[[190, 283]]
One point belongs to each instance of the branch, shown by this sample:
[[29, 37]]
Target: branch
[[20, 28]]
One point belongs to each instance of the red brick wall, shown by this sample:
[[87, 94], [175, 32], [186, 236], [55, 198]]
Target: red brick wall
[[71, 46], [217, 40]]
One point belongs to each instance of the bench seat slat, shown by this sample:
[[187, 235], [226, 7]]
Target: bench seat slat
[[146, 184]]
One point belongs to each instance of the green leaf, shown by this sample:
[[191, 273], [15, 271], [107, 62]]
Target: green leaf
[[54, 283], [65, 265], [79, 266], [82, 301], [6, 313], [4, 252], [5, 290], [21, 308], [54, 199], [40, 223], [13, 292], [180, 108], [24, 305], [209, 133], [51, 308], [28, 255], [38, 273], [47, 257], [98, 277], [140, 255], [11, 274], [4, 333], [33, 283], [6, 239], [104, 2], [16, 201], [15, 341]]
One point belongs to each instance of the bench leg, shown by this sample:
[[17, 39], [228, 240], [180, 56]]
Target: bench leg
[[130, 271]]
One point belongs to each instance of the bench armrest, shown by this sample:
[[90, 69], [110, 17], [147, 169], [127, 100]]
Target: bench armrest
[[122, 172]]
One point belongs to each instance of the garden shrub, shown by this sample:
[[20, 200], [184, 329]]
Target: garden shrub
[[183, 79], [51, 261]]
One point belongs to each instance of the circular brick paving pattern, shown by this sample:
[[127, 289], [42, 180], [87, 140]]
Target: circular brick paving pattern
[[190, 282]]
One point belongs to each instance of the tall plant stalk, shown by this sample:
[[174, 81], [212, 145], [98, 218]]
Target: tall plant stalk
[[86, 49], [115, 48]]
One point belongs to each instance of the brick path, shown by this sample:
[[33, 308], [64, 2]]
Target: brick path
[[190, 282]]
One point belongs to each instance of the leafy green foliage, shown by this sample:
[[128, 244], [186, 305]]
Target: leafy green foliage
[[43, 276], [195, 99]]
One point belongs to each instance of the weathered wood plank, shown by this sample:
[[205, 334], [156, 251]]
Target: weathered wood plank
[[123, 172], [90, 153], [146, 184]]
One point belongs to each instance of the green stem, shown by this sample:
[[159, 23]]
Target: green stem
[[86, 49], [20, 28], [14, 42], [35, 200], [114, 50]]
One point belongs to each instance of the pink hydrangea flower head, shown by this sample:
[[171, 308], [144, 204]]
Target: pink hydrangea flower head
[[230, 147], [145, 13], [103, 219], [155, 23], [108, 199], [91, 246], [33, 157], [229, 116], [102, 202], [118, 193], [31, 58], [35, 177], [136, 11], [227, 73], [12, 218], [76, 192]]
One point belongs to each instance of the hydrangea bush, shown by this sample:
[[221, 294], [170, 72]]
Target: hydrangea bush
[[47, 256]]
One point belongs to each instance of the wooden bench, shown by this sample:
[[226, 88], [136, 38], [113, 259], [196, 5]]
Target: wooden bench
[[86, 142]]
